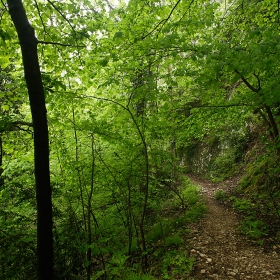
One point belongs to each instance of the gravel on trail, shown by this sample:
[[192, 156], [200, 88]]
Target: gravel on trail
[[220, 251]]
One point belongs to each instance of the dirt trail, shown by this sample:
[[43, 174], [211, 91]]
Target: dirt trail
[[221, 252]]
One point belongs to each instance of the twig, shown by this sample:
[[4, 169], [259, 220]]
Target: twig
[[162, 22], [64, 17], [187, 10]]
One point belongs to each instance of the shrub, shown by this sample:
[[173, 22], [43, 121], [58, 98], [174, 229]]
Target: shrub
[[173, 240], [221, 195], [176, 265], [254, 229], [242, 204]]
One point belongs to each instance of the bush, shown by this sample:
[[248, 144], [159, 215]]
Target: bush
[[221, 195], [242, 204], [254, 229]]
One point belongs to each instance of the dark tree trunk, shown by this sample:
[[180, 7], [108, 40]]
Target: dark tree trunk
[[1, 162], [28, 43]]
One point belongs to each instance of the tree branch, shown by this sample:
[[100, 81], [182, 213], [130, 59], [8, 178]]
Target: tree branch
[[64, 17], [221, 106], [245, 81], [187, 10], [105, 99], [59, 44], [272, 122], [39, 13], [161, 22], [259, 81], [266, 122], [13, 126], [109, 5]]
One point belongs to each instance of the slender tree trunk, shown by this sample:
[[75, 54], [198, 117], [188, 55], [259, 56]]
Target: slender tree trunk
[[1, 162], [129, 219], [146, 194], [89, 210], [2, 266], [78, 169], [272, 122], [97, 242], [28, 43]]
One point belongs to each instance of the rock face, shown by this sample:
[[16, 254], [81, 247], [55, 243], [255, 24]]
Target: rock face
[[221, 252], [214, 158]]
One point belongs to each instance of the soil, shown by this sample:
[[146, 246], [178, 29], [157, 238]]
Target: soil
[[220, 251]]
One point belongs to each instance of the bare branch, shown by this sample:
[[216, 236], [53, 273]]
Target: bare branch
[[222, 106], [22, 123], [39, 13], [162, 22], [59, 44], [64, 17], [105, 99], [187, 10]]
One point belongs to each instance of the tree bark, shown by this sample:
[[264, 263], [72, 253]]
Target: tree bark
[[28, 43]]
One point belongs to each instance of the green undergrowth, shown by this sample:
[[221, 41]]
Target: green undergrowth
[[137, 276], [167, 237], [257, 198], [252, 225], [221, 195], [260, 217]]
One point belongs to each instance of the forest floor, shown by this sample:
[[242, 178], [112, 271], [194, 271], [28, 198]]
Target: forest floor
[[220, 251]]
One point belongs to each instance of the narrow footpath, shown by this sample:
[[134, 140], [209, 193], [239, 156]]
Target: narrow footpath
[[221, 252]]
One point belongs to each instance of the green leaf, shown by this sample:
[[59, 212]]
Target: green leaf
[[104, 62], [26, 239], [194, 58], [5, 107], [118, 35]]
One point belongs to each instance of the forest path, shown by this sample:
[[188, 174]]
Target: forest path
[[220, 251]]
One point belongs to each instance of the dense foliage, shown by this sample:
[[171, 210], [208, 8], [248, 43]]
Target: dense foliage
[[134, 91]]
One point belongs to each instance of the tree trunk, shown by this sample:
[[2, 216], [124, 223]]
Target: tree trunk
[[1, 162], [90, 210], [28, 43], [146, 194]]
